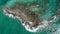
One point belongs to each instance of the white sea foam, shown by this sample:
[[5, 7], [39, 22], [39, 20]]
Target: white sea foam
[[45, 23], [27, 27], [10, 15], [55, 18]]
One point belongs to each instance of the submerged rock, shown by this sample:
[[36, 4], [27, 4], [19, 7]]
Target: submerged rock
[[33, 14]]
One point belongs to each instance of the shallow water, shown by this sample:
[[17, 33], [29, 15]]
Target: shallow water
[[11, 26]]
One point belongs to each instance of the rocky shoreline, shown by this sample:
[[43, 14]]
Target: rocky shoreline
[[29, 26]]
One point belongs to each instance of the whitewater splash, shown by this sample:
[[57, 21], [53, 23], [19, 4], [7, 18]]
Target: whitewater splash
[[36, 29], [27, 26]]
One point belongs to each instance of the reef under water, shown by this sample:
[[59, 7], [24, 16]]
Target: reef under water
[[35, 15]]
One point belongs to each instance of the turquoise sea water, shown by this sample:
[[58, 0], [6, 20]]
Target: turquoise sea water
[[11, 26]]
